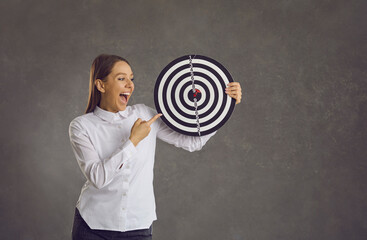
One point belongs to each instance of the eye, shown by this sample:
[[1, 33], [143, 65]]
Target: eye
[[122, 79], [132, 79]]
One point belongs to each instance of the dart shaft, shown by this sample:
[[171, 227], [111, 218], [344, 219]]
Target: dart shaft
[[194, 91]]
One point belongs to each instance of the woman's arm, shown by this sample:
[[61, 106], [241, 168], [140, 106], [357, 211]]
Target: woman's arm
[[166, 134], [189, 143], [99, 172]]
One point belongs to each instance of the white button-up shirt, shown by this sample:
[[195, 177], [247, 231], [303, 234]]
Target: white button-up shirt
[[118, 194]]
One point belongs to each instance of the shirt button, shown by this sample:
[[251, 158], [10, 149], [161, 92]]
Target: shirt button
[[124, 194]]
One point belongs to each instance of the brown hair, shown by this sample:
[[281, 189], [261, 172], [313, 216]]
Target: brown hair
[[100, 69]]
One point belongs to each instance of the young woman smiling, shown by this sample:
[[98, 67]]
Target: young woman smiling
[[114, 145]]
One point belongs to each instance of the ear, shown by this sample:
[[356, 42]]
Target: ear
[[100, 85]]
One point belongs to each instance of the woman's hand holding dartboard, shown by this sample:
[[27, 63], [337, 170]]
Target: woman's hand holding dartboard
[[234, 91]]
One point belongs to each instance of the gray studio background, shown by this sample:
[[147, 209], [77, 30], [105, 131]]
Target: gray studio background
[[289, 164]]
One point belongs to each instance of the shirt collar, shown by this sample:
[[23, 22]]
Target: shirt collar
[[111, 116]]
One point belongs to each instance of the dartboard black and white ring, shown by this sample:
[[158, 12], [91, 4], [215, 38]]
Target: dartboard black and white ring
[[190, 93]]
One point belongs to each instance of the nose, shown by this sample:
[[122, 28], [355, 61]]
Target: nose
[[129, 83]]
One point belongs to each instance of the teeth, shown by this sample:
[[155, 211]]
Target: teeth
[[125, 94]]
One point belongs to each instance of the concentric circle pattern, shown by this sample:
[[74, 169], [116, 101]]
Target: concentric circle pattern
[[175, 93]]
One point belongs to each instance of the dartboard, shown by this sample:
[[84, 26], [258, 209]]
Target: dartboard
[[190, 93]]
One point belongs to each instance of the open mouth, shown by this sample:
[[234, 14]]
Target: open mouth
[[124, 97]]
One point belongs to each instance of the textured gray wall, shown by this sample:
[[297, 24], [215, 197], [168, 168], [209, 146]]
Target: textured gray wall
[[289, 164]]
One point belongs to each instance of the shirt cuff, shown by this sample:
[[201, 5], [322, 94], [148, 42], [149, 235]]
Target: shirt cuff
[[128, 151]]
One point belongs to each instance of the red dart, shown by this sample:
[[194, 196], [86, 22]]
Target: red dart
[[196, 92]]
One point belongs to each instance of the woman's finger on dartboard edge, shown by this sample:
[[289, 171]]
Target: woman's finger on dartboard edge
[[237, 97], [234, 95], [234, 84], [233, 91]]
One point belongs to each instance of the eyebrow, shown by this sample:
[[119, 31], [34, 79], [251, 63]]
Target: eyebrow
[[120, 73]]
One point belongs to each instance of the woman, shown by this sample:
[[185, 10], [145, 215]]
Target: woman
[[114, 145]]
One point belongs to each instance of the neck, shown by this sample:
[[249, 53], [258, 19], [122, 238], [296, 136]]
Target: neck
[[107, 107]]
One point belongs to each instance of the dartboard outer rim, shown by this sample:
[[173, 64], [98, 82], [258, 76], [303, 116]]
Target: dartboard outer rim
[[159, 79]]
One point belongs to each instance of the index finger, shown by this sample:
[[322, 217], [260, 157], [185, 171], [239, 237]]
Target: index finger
[[154, 118]]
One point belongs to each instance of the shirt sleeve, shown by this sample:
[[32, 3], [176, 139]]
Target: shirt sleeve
[[168, 135], [99, 172]]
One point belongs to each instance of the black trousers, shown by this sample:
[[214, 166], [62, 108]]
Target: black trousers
[[81, 231]]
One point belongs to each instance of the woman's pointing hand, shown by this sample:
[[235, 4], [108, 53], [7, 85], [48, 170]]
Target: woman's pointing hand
[[141, 129]]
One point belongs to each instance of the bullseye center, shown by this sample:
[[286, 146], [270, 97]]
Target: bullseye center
[[196, 94]]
